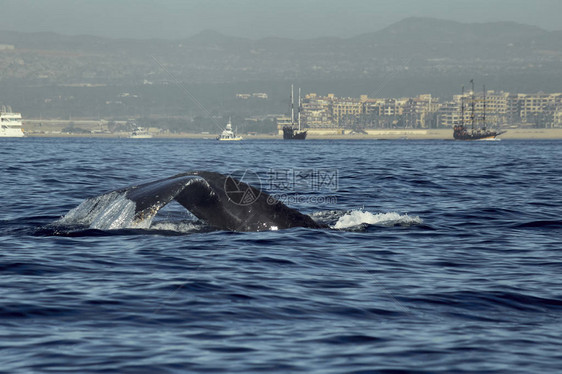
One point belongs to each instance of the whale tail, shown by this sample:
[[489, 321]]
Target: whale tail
[[222, 201]]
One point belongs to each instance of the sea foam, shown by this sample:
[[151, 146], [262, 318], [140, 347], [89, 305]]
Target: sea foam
[[359, 217]]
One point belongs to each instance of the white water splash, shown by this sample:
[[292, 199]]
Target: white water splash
[[106, 212], [179, 227], [359, 217]]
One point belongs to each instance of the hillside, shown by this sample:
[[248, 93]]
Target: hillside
[[210, 57], [415, 55]]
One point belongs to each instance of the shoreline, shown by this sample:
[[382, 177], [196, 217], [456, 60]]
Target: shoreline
[[332, 134]]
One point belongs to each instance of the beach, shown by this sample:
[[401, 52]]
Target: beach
[[53, 128]]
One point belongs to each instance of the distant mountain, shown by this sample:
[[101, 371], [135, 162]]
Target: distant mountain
[[414, 45], [435, 38], [54, 75], [214, 37], [430, 30]]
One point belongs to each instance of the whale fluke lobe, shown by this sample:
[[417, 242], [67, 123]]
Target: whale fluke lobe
[[222, 201], [152, 196], [225, 202]]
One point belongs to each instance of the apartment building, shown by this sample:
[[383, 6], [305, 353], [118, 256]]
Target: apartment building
[[346, 111], [330, 111], [493, 108], [539, 107], [316, 111], [500, 108]]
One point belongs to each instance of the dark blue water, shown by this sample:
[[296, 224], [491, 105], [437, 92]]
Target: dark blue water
[[472, 285]]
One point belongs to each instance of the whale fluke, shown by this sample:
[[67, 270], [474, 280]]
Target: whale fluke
[[222, 201]]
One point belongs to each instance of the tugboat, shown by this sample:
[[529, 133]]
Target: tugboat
[[476, 132], [292, 131], [228, 134]]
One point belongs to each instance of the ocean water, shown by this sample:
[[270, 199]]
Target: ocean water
[[442, 257]]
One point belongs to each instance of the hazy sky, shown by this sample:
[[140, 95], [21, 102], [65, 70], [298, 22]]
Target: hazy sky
[[176, 19]]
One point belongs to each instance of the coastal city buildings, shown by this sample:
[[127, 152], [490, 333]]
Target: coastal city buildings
[[493, 108]]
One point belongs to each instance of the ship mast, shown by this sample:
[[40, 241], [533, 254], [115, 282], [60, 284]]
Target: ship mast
[[462, 107], [472, 105], [299, 110], [292, 107], [484, 113]]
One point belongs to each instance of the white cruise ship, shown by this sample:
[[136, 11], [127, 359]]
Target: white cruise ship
[[10, 123]]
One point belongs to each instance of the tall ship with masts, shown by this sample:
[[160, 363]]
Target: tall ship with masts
[[476, 128], [10, 123], [293, 131]]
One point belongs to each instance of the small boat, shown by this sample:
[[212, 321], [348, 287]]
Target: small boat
[[228, 134], [10, 123], [477, 130], [140, 133], [293, 131]]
